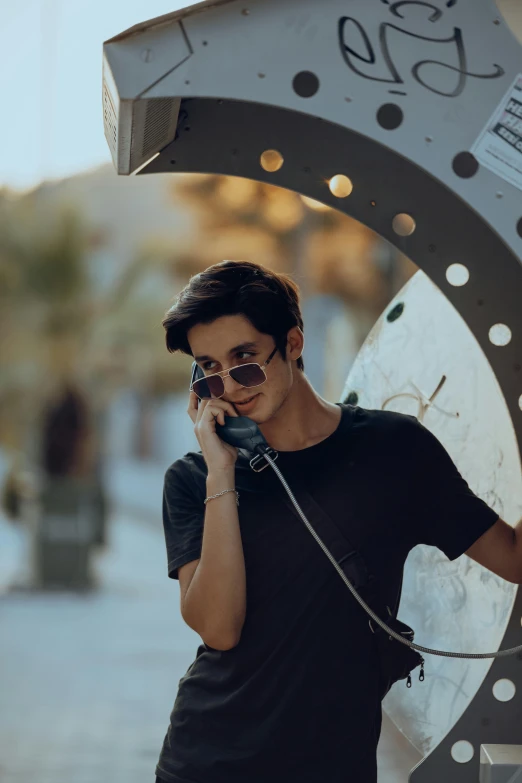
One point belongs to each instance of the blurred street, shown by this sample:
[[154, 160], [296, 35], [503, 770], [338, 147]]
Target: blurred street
[[88, 681]]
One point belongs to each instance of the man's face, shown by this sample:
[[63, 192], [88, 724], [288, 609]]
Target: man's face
[[230, 341]]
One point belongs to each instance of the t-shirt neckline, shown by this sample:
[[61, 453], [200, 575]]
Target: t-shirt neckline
[[312, 451], [303, 456]]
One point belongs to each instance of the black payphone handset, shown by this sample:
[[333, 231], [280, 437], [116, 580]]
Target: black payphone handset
[[242, 432]]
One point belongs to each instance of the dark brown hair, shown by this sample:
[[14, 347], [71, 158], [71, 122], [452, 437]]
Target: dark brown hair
[[269, 300]]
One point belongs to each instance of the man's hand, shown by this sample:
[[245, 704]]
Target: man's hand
[[219, 456]]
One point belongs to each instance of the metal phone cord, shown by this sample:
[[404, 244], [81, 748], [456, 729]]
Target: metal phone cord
[[401, 639]]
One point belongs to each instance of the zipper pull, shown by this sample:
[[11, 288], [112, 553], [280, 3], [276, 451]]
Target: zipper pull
[[408, 681], [421, 675]]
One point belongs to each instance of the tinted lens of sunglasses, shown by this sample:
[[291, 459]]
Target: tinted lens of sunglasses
[[206, 388], [248, 375]]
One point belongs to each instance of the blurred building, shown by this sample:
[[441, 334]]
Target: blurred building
[[146, 235], [126, 216]]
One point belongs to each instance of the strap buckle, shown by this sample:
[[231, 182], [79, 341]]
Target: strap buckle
[[259, 463], [375, 630]]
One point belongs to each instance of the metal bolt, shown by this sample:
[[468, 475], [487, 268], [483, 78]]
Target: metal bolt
[[499, 194], [429, 138]]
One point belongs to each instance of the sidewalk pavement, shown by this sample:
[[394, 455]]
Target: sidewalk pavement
[[88, 681]]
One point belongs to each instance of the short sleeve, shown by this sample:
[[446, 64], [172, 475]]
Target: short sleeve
[[183, 516], [444, 511]]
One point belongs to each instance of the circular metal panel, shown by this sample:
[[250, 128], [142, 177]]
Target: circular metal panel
[[423, 347]]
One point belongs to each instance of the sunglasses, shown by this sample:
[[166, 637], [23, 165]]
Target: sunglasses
[[212, 386]]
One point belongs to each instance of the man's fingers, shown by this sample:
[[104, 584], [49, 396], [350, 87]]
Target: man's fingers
[[213, 412], [227, 407], [216, 405], [192, 408], [195, 407]]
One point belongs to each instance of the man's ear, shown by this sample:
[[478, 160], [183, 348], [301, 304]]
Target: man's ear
[[294, 343]]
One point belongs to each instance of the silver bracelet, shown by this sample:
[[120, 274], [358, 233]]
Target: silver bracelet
[[223, 493]]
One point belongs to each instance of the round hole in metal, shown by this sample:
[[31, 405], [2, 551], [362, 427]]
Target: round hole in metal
[[271, 160], [340, 186], [390, 116], [457, 274], [504, 690], [403, 224], [500, 334], [462, 752], [465, 165], [395, 312], [305, 84]]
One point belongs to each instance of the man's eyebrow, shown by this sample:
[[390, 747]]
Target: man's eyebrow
[[241, 347]]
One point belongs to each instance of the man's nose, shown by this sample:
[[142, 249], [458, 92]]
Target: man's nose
[[231, 385]]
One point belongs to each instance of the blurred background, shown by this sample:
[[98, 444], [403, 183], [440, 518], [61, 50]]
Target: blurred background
[[92, 406]]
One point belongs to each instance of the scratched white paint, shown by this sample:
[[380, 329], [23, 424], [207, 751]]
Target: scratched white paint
[[457, 606]]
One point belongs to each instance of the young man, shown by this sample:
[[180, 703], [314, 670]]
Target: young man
[[285, 687]]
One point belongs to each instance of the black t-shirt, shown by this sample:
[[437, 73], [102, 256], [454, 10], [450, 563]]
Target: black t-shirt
[[297, 700]]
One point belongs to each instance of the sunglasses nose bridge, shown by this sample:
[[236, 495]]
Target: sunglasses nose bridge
[[232, 384]]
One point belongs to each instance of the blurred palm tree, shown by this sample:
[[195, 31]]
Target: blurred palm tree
[[65, 346]]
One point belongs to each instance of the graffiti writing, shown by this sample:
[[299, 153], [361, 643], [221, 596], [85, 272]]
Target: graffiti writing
[[360, 54]]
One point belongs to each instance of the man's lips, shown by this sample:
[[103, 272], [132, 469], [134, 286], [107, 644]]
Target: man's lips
[[247, 399]]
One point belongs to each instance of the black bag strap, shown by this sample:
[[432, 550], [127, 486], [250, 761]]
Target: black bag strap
[[395, 666], [341, 547], [338, 542]]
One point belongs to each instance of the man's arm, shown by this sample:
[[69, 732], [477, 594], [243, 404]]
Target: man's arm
[[213, 588], [500, 551]]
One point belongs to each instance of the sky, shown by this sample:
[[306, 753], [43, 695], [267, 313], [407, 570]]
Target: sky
[[51, 83]]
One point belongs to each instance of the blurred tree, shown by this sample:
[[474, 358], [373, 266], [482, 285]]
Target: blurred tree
[[66, 347], [323, 248], [59, 331]]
